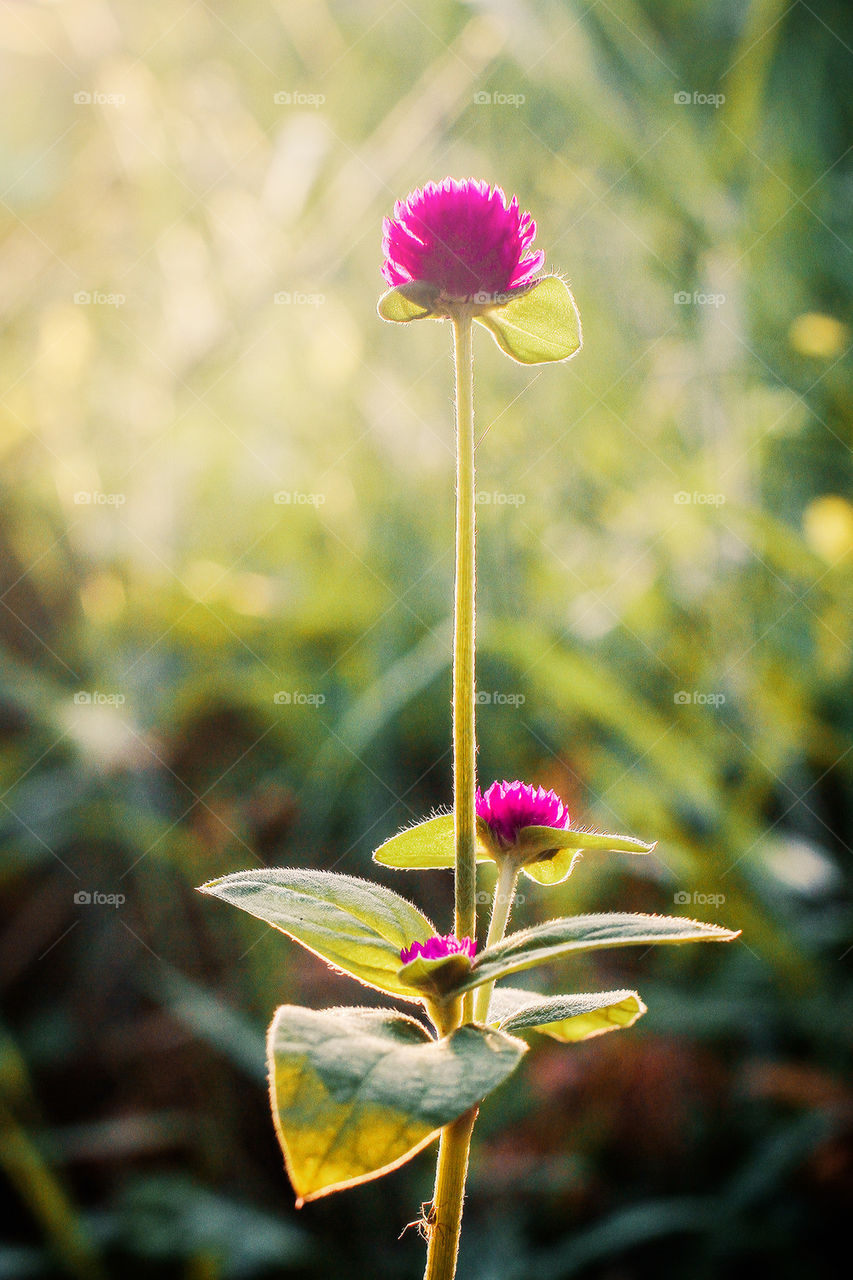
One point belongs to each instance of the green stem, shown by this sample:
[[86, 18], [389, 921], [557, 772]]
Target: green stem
[[464, 739], [501, 907], [450, 1178], [452, 1168], [455, 1144]]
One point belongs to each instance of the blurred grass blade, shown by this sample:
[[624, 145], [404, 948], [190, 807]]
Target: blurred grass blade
[[47, 1200]]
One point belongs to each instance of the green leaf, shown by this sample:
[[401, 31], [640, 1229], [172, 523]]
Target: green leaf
[[555, 938], [407, 302], [567, 846], [566, 1018], [355, 925], [538, 325], [357, 1092], [429, 845]]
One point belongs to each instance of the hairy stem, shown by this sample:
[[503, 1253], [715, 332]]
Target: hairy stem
[[450, 1178], [501, 907], [452, 1168], [464, 739]]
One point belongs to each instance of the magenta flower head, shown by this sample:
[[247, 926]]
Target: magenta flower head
[[531, 827], [508, 807], [461, 238], [439, 947], [458, 249]]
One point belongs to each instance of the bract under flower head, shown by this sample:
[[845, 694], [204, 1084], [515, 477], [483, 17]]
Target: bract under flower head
[[463, 238], [439, 947], [508, 807]]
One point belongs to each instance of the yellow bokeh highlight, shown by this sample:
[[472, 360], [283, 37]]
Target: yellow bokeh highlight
[[818, 335], [828, 526]]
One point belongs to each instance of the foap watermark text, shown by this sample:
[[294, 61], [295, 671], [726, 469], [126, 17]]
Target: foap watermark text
[[498, 99], [683, 499], [698, 299], [294, 498], [485, 499], [682, 898], [94, 898], [693, 697], [693, 98]]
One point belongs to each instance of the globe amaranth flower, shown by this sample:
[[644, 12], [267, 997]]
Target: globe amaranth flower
[[531, 828], [439, 947], [463, 239], [508, 807]]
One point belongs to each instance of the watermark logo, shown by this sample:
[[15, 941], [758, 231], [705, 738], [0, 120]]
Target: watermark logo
[[94, 698], [292, 497], [484, 899], [286, 299], [296, 98], [497, 699], [83, 298], [682, 898], [297, 698], [94, 498], [94, 98], [684, 499], [485, 99], [94, 898], [484, 499], [697, 299], [692, 697], [687, 98]]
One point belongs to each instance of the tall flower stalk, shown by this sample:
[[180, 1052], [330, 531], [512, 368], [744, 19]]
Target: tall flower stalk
[[357, 1092], [464, 627], [455, 1141]]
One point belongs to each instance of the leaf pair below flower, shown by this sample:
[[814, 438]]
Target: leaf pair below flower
[[357, 1092], [552, 851], [533, 326], [361, 928]]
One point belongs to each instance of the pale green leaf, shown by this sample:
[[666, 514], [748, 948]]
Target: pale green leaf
[[355, 925], [407, 302], [428, 846], [554, 938], [357, 1092], [553, 852], [539, 325], [567, 1018], [567, 846]]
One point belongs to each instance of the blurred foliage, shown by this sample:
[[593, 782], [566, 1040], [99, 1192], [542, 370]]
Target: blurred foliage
[[191, 207]]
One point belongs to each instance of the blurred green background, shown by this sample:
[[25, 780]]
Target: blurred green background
[[225, 577]]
